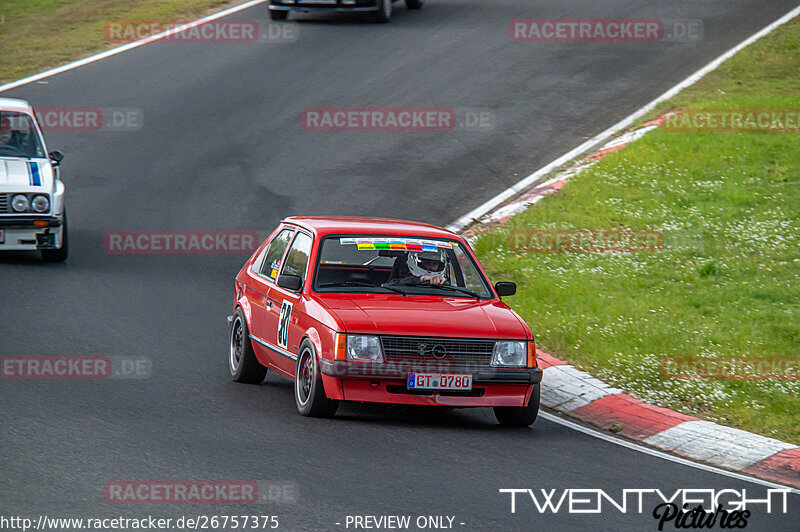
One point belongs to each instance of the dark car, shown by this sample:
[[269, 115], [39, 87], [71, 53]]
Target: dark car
[[381, 10]]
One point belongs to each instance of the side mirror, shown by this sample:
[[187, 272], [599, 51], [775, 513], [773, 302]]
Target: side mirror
[[290, 282], [56, 157], [505, 289]]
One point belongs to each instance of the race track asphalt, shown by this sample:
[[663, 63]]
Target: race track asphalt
[[222, 147]]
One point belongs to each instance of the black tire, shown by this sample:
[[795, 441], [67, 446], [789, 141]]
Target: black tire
[[278, 15], [60, 254], [520, 416], [384, 12], [414, 4], [309, 393], [242, 361]]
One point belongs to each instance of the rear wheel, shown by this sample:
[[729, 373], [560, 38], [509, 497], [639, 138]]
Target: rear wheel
[[278, 15], [414, 4], [242, 361], [309, 393], [384, 13], [60, 254], [520, 416]]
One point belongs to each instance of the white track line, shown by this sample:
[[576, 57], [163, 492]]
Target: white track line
[[659, 454], [129, 46], [520, 186]]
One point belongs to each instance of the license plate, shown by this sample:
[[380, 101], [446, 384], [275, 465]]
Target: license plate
[[439, 381]]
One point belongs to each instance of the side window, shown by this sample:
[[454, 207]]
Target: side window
[[297, 258], [272, 259], [472, 279]]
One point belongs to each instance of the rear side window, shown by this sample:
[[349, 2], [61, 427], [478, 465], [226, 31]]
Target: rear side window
[[297, 258], [272, 260]]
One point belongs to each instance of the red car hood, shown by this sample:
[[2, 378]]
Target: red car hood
[[425, 316]]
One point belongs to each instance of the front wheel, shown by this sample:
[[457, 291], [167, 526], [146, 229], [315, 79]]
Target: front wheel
[[384, 13], [309, 393], [414, 4], [242, 360], [278, 15], [520, 416], [60, 254]]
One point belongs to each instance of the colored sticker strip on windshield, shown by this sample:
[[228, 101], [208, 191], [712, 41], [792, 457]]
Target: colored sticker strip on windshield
[[399, 244]]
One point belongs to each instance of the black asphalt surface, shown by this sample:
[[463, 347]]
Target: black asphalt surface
[[222, 147]]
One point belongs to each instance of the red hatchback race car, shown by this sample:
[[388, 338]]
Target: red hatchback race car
[[383, 311]]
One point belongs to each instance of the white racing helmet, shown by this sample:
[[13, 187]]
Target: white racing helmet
[[427, 263]]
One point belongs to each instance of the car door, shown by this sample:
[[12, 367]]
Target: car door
[[288, 307], [263, 273]]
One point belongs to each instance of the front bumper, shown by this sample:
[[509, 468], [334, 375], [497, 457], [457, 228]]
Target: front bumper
[[353, 370], [311, 6], [384, 383], [21, 233]]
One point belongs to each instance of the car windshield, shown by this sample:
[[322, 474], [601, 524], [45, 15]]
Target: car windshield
[[402, 264], [19, 136]]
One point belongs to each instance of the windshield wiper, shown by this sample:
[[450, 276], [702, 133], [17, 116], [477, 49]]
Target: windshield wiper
[[454, 289], [348, 283], [361, 283]]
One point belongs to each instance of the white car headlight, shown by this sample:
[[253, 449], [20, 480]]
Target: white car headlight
[[20, 203], [510, 353], [40, 203], [364, 348]]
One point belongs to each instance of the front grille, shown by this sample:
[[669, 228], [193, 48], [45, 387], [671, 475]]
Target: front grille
[[4, 208], [438, 354]]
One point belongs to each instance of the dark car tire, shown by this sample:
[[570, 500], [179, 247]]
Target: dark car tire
[[60, 254], [242, 361], [309, 393], [414, 4], [384, 12], [274, 14], [520, 416]]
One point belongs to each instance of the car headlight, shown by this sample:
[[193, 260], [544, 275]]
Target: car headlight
[[20, 203], [40, 203], [364, 348], [510, 353]]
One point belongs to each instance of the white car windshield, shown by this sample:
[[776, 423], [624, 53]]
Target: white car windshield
[[19, 136], [403, 264]]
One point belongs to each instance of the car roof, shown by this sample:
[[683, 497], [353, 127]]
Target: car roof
[[328, 225], [15, 104]]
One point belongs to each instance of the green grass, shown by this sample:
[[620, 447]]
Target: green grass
[[728, 280], [40, 34]]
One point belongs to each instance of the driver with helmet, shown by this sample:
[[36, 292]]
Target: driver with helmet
[[8, 138], [419, 267]]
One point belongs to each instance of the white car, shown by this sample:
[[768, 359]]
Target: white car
[[32, 214]]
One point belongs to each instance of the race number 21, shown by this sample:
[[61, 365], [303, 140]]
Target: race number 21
[[283, 324]]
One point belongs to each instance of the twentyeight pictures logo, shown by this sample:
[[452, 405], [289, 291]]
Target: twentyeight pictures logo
[[683, 508]]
